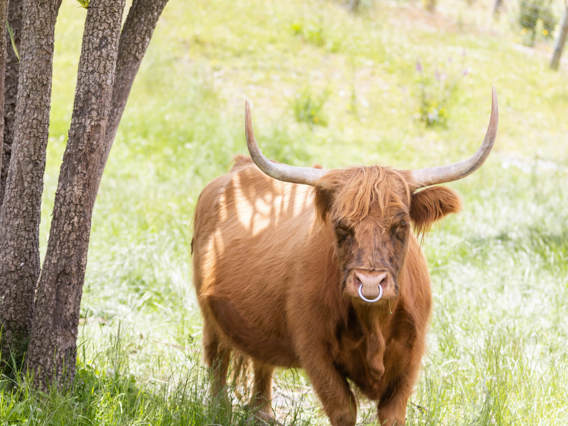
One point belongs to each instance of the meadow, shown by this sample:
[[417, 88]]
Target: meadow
[[390, 85]]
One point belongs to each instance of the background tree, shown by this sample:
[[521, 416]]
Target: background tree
[[354, 5], [110, 59], [560, 41], [497, 6]]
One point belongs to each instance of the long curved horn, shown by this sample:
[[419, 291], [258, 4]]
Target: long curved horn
[[305, 175], [455, 171]]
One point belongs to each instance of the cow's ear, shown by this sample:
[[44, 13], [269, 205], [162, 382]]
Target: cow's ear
[[323, 201], [432, 204]]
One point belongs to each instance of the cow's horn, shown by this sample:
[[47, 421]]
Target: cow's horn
[[434, 175], [306, 175]]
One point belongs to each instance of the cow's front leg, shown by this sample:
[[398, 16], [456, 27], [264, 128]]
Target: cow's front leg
[[392, 405], [331, 387], [393, 412]]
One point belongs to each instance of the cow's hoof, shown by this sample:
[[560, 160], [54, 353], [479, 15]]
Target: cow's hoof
[[263, 419]]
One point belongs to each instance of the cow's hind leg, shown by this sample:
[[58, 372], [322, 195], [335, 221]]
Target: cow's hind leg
[[261, 397], [217, 357]]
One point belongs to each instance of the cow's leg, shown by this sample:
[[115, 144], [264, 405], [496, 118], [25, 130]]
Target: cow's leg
[[331, 387], [392, 412], [262, 391], [392, 406], [217, 358]]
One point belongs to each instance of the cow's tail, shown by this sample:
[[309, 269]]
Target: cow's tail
[[241, 366]]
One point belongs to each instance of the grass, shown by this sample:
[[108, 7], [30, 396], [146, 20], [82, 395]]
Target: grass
[[497, 344]]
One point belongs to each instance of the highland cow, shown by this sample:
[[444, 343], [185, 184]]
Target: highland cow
[[321, 270]]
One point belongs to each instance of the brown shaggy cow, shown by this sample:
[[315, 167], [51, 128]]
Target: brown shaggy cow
[[304, 267]]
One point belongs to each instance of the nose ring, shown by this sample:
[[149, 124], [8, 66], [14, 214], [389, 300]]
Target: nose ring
[[376, 299]]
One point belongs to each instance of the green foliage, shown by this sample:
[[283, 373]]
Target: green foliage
[[313, 32], [309, 107], [12, 40], [84, 3], [437, 92], [536, 16]]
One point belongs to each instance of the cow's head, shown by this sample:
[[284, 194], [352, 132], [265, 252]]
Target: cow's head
[[371, 210]]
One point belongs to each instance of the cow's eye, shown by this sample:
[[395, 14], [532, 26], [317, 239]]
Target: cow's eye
[[399, 229], [342, 231]]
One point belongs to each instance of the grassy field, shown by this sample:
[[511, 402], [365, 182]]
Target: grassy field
[[337, 89]]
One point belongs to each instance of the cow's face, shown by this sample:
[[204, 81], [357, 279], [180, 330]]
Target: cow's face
[[371, 210]]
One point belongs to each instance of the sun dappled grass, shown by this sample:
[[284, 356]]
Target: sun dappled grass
[[496, 351], [106, 391]]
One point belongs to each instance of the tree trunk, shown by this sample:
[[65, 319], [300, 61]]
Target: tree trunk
[[560, 42], [354, 5], [3, 19], [52, 350], [134, 40], [20, 215], [497, 4], [10, 88]]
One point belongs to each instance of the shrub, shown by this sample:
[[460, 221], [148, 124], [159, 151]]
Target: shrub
[[536, 16], [435, 92], [308, 107], [314, 33]]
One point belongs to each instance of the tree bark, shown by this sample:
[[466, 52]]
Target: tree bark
[[497, 5], [10, 88], [560, 42], [3, 19], [134, 40], [52, 349], [20, 215]]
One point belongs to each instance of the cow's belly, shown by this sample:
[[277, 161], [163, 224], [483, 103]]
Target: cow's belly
[[269, 344]]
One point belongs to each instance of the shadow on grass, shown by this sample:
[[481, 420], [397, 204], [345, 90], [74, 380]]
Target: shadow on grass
[[99, 397], [114, 396]]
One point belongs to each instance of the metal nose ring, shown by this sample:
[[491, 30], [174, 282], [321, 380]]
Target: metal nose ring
[[376, 299]]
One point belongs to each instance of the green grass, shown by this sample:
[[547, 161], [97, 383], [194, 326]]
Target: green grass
[[497, 344]]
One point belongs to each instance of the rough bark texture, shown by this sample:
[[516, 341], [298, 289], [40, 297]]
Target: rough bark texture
[[134, 40], [560, 42], [10, 88], [52, 349], [20, 215], [3, 19]]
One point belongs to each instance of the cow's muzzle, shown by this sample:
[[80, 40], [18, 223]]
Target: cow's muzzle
[[370, 286]]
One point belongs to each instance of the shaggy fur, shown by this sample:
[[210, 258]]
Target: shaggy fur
[[276, 268]]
